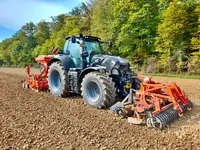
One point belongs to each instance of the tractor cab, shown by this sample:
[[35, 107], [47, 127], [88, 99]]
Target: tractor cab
[[82, 47]]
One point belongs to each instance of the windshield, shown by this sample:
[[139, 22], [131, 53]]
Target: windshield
[[93, 46]]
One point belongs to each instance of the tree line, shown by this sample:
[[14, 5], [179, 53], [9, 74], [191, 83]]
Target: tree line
[[154, 35]]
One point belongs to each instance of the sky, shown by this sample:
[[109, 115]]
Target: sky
[[16, 13]]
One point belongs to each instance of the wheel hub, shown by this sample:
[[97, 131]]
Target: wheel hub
[[55, 80], [93, 92]]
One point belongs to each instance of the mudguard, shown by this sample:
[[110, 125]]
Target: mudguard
[[65, 59], [90, 69]]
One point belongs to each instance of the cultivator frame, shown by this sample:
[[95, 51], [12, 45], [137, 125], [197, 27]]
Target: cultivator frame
[[38, 82], [156, 104]]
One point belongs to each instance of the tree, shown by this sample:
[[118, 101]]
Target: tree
[[172, 41], [5, 51], [57, 22], [71, 27], [42, 32], [23, 44], [195, 41], [137, 36], [83, 13], [101, 19], [167, 29]]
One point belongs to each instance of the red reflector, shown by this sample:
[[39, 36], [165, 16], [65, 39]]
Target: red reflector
[[54, 50]]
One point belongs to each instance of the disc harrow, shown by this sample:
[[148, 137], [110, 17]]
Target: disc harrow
[[156, 104]]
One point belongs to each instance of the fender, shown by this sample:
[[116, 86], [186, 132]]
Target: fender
[[65, 59], [90, 69]]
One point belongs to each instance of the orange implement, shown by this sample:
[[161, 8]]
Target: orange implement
[[157, 104], [38, 81]]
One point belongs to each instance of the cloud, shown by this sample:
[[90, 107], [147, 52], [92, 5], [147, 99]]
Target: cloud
[[15, 13]]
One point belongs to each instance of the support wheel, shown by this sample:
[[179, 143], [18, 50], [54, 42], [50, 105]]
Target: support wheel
[[25, 86], [154, 123], [98, 90], [58, 80]]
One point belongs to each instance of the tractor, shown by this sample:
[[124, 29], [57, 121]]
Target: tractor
[[81, 68]]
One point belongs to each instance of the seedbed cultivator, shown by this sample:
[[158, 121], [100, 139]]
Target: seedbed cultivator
[[156, 104]]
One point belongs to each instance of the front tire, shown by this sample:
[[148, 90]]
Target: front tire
[[98, 90], [58, 80]]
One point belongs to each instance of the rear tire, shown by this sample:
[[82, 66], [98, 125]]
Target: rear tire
[[58, 80], [98, 90]]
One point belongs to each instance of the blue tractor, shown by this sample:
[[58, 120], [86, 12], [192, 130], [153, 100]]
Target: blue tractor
[[82, 68]]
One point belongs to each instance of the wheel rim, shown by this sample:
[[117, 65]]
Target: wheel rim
[[93, 92], [55, 80]]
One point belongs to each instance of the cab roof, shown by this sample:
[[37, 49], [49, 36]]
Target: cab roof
[[85, 37]]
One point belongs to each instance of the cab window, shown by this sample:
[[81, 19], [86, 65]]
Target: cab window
[[92, 46]]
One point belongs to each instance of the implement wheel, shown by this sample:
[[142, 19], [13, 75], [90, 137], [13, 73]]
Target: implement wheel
[[98, 90], [25, 86], [58, 80]]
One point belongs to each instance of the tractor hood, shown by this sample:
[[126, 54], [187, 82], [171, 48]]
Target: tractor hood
[[111, 61]]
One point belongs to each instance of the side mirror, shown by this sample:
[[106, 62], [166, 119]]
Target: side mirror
[[73, 39], [110, 44]]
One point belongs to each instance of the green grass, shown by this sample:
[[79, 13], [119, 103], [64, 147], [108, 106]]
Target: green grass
[[171, 75]]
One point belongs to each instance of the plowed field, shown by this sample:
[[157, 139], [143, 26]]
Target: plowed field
[[30, 120]]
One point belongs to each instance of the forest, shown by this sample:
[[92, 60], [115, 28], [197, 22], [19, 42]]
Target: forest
[[156, 36]]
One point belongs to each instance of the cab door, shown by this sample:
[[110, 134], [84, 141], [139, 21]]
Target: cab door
[[74, 51]]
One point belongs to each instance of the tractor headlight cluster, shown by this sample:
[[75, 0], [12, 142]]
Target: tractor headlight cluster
[[119, 69], [115, 71], [124, 68]]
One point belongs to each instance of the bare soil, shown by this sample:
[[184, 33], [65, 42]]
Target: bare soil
[[30, 120]]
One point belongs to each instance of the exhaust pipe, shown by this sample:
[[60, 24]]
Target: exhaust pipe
[[83, 53]]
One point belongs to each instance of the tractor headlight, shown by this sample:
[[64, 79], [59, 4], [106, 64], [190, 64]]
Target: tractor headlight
[[115, 71], [119, 69], [124, 68]]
